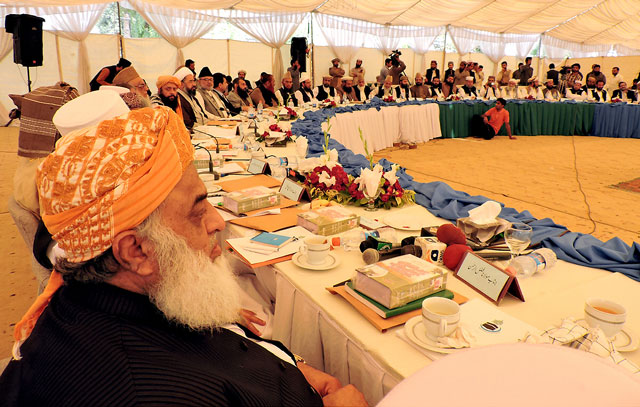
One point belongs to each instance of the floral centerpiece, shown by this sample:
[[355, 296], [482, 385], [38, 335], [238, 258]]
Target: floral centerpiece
[[375, 188], [288, 136], [329, 103], [389, 99]]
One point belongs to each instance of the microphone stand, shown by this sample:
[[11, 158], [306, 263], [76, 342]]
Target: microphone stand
[[213, 137], [199, 147]]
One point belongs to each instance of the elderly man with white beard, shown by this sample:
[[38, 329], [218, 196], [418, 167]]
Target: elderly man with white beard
[[142, 308]]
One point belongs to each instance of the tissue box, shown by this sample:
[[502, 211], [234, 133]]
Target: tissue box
[[250, 199], [328, 220], [481, 233]]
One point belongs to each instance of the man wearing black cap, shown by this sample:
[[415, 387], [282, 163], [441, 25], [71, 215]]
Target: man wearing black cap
[[106, 74], [205, 91]]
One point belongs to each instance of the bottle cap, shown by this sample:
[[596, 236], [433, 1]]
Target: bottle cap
[[335, 241]]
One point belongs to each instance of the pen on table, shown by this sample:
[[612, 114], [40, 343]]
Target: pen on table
[[259, 250]]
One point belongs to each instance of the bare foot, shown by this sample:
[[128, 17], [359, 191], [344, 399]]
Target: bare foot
[[512, 137]]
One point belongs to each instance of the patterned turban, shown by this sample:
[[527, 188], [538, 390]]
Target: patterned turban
[[109, 177]]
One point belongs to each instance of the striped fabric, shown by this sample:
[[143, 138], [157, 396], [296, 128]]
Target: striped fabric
[[99, 345], [37, 133]]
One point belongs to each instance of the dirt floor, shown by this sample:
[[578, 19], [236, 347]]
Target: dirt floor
[[539, 174]]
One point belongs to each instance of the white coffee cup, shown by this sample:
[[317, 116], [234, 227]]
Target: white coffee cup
[[315, 249], [605, 314], [440, 317]]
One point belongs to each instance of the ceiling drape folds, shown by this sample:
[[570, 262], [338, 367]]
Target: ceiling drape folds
[[179, 27], [272, 29]]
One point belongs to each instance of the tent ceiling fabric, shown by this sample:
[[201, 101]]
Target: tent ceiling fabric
[[588, 22]]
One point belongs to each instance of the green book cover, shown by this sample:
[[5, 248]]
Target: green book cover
[[385, 312]]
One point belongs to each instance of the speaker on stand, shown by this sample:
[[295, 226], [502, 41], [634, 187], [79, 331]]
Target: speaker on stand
[[27, 40], [299, 51]]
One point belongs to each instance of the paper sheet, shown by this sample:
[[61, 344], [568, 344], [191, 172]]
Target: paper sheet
[[270, 223], [249, 182], [254, 259]]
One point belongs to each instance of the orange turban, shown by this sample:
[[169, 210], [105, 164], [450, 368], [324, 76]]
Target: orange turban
[[103, 180], [164, 79], [110, 177]]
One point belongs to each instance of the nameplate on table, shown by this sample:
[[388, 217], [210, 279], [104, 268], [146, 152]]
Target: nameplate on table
[[294, 190], [257, 166], [487, 279]]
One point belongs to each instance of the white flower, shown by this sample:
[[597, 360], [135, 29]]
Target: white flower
[[326, 179], [308, 164], [391, 175], [330, 159], [378, 168], [370, 179]]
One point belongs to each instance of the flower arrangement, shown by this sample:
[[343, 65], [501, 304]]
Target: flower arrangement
[[454, 97], [292, 113], [616, 100], [389, 99], [376, 188], [288, 136], [329, 102]]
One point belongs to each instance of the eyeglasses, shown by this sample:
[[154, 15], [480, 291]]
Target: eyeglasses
[[142, 86]]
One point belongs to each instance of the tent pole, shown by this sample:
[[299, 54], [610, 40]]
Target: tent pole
[[444, 52], [59, 59], [313, 52], [120, 31], [539, 57], [228, 57]]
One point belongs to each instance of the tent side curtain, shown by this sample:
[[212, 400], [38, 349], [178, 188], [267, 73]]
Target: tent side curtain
[[493, 45], [555, 48]]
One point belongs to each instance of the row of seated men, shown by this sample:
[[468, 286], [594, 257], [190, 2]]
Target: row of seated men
[[142, 308]]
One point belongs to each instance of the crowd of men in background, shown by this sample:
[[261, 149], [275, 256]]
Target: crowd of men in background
[[203, 96]]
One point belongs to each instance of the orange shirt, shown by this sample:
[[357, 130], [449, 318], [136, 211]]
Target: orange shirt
[[497, 118]]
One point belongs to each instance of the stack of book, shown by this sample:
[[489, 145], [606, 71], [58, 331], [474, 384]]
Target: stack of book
[[250, 199], [328, 220]]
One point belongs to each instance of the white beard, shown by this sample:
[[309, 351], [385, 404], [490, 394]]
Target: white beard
[[192, 289]]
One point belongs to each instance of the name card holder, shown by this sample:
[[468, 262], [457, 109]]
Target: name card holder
[[257, 166], [294, 190], [487, 279]]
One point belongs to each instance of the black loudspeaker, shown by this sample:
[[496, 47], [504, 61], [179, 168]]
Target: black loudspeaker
[[27, 38], [299, 51]]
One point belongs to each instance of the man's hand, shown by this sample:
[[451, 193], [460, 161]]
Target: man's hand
[[485, 119], [323, 383], [346, 396], [249, 318]]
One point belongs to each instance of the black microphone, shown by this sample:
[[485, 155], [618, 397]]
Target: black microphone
[[371, 256], [210, 158], [213, 137]]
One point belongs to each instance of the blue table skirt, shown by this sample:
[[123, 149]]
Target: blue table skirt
[[443, 201]]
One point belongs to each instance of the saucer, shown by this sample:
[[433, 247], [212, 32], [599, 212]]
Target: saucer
[[213, 188], [624, 341], [331, 261], [417, 333]]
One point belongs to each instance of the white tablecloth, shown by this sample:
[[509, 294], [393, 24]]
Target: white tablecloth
[[407, 124]]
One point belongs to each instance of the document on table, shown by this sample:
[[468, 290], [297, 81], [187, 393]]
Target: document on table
[[255, 255]]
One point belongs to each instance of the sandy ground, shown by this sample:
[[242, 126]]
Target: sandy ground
[[533, 173]]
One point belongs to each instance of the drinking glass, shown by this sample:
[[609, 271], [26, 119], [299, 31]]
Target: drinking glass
[[518, 237], [371, 204]]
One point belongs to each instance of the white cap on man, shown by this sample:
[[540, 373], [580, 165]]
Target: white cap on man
[[88, 110]]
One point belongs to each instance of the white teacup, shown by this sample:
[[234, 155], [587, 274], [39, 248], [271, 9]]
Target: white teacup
[[315, 249], [605, 314], [440, 317]]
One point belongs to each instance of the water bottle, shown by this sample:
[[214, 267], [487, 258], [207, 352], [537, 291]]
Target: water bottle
[[351, 240], [251, 113], [259, 111], [526, 266]]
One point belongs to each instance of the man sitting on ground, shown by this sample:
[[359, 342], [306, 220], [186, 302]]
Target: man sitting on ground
[[286, 94], [490, 90], [420, 90], [489, 124], [325, 91], [193, 112], [468, 91], [435, 90], [239, 96], [142, 308], [576, 92], [265, 92], [624, 94], [305, 93], [363, 91]]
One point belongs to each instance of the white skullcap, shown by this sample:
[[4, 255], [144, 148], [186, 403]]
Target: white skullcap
[[182, 73], [304, 77], [87, 110], [512, 80], [578, 81], [347, 78], [469, 78], [120, 90]]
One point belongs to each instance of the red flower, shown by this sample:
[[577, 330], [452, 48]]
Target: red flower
[[313, 178], [384, 197], [275, 127]]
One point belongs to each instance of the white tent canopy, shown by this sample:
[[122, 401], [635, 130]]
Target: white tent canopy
[[578, 23]]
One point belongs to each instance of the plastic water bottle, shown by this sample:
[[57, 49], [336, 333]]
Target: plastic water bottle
[[526, 266], [260, 107], [351, 240], [251, 113]]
